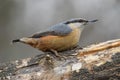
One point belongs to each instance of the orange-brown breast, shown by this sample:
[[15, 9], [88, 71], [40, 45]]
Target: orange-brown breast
[[59, 43]]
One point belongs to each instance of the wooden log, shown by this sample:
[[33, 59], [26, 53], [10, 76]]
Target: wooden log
[[95, 62]]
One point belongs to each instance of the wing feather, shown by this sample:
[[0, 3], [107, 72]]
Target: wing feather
[[56, 30]]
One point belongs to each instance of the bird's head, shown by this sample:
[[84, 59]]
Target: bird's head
[[78, 22]]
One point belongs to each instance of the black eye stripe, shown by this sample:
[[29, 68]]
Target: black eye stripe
[[74, 21]]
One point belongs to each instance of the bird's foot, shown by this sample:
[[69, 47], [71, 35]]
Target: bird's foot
[[78, 47], [57, 54]]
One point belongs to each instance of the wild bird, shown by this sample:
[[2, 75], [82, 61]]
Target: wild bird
[[60, 37]]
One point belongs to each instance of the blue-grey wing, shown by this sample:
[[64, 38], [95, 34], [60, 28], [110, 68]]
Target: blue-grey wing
[[56, 30]]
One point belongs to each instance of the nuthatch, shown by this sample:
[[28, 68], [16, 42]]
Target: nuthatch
[[59, 37]]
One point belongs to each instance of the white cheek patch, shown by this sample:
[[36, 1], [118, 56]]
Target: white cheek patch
[[78, 24], [81, 26], [74, 25]]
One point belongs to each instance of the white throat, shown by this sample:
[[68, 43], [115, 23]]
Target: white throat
[[81, 26]]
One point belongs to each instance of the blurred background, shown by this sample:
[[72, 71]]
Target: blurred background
[[19, 18]]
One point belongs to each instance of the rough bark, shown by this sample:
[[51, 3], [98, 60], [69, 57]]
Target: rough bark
[[95, 62]]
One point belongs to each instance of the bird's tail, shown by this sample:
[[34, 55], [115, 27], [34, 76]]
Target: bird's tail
[[16, 40], [25, 40]]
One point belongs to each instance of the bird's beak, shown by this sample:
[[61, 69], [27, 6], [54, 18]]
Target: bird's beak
[[87, 22], [93, 20]]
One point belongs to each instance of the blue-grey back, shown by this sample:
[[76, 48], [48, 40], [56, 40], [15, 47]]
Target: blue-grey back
[[60, 29], [57, 30]]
